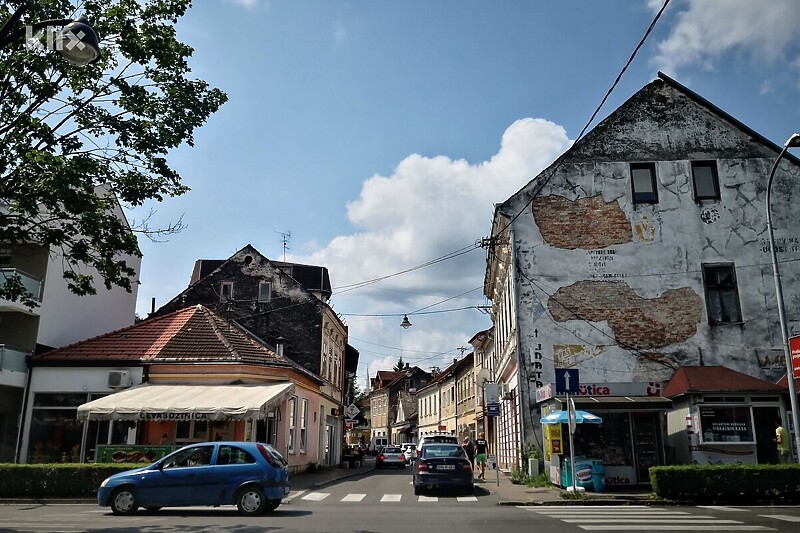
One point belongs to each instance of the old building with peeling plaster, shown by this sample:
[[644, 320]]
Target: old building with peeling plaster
[[643, 249]]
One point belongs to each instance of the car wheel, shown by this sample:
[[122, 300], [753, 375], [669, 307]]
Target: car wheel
[[469, 490], [272, 505], [123, 501], [417, 490], [251, 501]]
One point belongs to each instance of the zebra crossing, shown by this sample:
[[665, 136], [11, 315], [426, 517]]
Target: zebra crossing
[[642, 518], [317, 496]]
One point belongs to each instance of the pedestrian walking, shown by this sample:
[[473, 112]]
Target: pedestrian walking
[[481, 449], [782, 441], [470, 452]]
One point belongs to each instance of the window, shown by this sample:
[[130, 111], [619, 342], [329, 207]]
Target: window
[[264, 291], [226, 291], [643, 183], [303, 424], [722, 299], [705, 180], [292, 423]]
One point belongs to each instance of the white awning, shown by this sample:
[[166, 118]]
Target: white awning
[[187, 402]]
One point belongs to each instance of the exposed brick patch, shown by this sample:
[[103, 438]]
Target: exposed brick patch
[[587, 223], [637, 322]]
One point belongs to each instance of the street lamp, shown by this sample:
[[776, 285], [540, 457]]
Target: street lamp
[[405, 324], [77, 40], [792, 142]]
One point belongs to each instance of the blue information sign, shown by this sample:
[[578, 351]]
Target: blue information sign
[[567, 381], [492, 409]]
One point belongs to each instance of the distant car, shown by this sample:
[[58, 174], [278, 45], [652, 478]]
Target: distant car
[[442, 465], [410, 450], [253, 476], [442, 438], [391, 456]]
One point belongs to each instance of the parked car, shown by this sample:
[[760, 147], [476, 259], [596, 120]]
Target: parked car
[[253, 476], [442, 465], [391, 456], [410, 451]]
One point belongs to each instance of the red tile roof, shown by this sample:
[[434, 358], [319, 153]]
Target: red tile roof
[[715, 379], [192, 334]]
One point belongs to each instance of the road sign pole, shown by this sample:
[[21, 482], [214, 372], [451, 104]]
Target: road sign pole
[[571, 425]]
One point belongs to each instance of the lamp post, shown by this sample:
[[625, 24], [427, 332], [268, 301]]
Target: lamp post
[[792, 142], [77, 40]]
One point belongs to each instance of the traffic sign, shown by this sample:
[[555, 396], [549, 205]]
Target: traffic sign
[[567, 381], [351, 410]]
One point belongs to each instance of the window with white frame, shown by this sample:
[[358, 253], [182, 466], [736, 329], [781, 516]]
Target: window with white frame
[[226, 291], [264, 291], [292, 408], [303, 424]]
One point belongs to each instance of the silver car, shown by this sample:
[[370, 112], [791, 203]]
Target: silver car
[[391, 456]]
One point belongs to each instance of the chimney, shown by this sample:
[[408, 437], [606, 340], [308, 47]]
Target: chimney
[[407, 365]]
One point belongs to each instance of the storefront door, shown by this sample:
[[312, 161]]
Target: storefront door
[[764, 423], [645, 445]]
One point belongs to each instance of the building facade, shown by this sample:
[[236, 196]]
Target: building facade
[[61, 318], [640, 250]]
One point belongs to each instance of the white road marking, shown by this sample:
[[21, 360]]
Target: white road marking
[[353, 498], [316, 496], [429, 498], [722, 508], [784, 517], [391, 497], [466, 498]]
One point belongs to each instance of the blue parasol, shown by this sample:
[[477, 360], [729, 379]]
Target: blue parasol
[[562, 417]]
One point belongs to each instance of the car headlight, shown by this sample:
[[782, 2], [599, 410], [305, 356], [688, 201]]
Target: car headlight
[[105, 482]]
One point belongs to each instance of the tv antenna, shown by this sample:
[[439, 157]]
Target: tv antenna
[[286, 237]]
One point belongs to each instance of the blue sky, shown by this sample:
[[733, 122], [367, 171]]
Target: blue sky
[[381, 134]]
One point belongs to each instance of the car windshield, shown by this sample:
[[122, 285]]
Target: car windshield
[[392, 450], [442, 450]]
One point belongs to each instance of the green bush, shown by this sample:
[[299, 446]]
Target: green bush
[[727, 483], [67, 480]]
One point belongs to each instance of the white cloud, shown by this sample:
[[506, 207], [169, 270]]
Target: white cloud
[[707, 30], [428, 207], [248, 3]]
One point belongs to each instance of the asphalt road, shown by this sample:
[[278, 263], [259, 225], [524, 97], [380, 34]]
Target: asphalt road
[[383, 502]]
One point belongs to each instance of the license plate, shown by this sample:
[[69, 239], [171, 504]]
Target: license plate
[[446, 467]]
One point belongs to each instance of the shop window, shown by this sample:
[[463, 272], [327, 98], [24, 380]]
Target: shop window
[[726, 423], [643, 183], [191, 431], [722, 296], [705, 180], [55, 433]]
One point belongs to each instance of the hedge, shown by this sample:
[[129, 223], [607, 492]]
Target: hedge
[[67, 480], [740, 484]]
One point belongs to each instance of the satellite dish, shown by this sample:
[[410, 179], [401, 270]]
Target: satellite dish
[[482, 377]]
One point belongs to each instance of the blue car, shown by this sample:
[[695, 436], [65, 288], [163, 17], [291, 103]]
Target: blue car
[[253, 476]]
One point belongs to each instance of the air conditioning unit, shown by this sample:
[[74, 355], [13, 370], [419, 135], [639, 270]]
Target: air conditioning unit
[[505, 391], [118, 379]]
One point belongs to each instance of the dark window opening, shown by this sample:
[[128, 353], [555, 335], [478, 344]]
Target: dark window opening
[[722, 297]]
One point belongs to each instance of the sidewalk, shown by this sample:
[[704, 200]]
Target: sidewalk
[[508, 492]]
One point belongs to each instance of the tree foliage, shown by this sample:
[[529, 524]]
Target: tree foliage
[[399, 365], [77, 142]]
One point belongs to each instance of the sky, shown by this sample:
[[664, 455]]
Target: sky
[[381, 134]]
